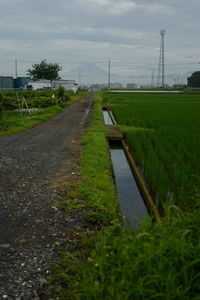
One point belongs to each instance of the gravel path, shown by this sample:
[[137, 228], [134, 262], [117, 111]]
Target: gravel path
[[32, 230]]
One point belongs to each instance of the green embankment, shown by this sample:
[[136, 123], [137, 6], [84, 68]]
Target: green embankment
[[97, 185], [14, 120], [159, 261]]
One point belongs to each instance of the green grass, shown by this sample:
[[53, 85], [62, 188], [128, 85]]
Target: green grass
[[157, 262], [11, 99], [12, 121], [96, 184]]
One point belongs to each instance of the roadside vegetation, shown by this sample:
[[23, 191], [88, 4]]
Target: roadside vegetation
[[24, 109], [157, 261], [97, 185]]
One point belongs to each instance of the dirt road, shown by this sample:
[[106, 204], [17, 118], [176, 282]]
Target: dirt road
[[32, 230]]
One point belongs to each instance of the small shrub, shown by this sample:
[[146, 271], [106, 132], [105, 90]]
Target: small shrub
[[10, 103], [42, 102], [61, 93]]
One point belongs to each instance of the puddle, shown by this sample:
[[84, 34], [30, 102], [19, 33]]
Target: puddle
[[131, 201]]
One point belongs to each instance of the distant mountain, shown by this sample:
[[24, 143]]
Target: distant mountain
[[90, 74]]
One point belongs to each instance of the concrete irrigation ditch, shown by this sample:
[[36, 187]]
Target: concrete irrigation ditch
[[135, 199]]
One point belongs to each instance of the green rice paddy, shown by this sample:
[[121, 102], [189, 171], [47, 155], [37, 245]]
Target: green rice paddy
[[164, 133]]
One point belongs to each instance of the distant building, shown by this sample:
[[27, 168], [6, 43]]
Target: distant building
[[21, 82], [10, 83], [43, 84], [6, 83], [116, 85], [194, 80], [132, 86], [97, 87], [68, 85], [39, 84]]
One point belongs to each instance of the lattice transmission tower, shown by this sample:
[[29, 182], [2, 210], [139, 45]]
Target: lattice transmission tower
[[161, 66]]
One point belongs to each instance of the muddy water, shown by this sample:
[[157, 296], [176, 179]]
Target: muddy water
[[131, 202]]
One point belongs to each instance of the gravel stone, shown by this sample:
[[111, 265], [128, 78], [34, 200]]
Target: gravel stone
[[33, 232]]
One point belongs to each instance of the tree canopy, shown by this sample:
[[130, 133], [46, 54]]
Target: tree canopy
[[194, 79], [45, 70]]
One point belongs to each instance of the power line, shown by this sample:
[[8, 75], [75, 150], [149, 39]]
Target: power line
[[93, 62]]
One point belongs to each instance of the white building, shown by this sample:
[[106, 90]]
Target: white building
[[40, 84], [133, 86], [116, 85], [68, 85]]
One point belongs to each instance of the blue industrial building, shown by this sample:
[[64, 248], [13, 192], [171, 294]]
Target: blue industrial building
[[9, 83], [6, 83], [20, 82]]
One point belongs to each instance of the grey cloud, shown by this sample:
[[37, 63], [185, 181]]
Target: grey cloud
[[85, 30]]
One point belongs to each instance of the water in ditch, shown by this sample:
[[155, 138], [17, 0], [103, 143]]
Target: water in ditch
[[131, 201], [107, 118]]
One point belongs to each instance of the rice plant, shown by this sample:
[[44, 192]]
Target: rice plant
[[168, 153]]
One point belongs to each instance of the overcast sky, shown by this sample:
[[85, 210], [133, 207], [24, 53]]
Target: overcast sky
[[73, 32]]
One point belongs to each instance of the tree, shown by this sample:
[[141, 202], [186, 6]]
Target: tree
[[45, 70], [194, 79]]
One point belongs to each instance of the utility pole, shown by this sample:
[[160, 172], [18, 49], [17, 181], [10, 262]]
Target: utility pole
[[79, 76], [109, 76], [161, 68], [15, 68]]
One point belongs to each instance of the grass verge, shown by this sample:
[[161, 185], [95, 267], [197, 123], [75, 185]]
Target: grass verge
[[14, 121], [97, 185], [157, 262]]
